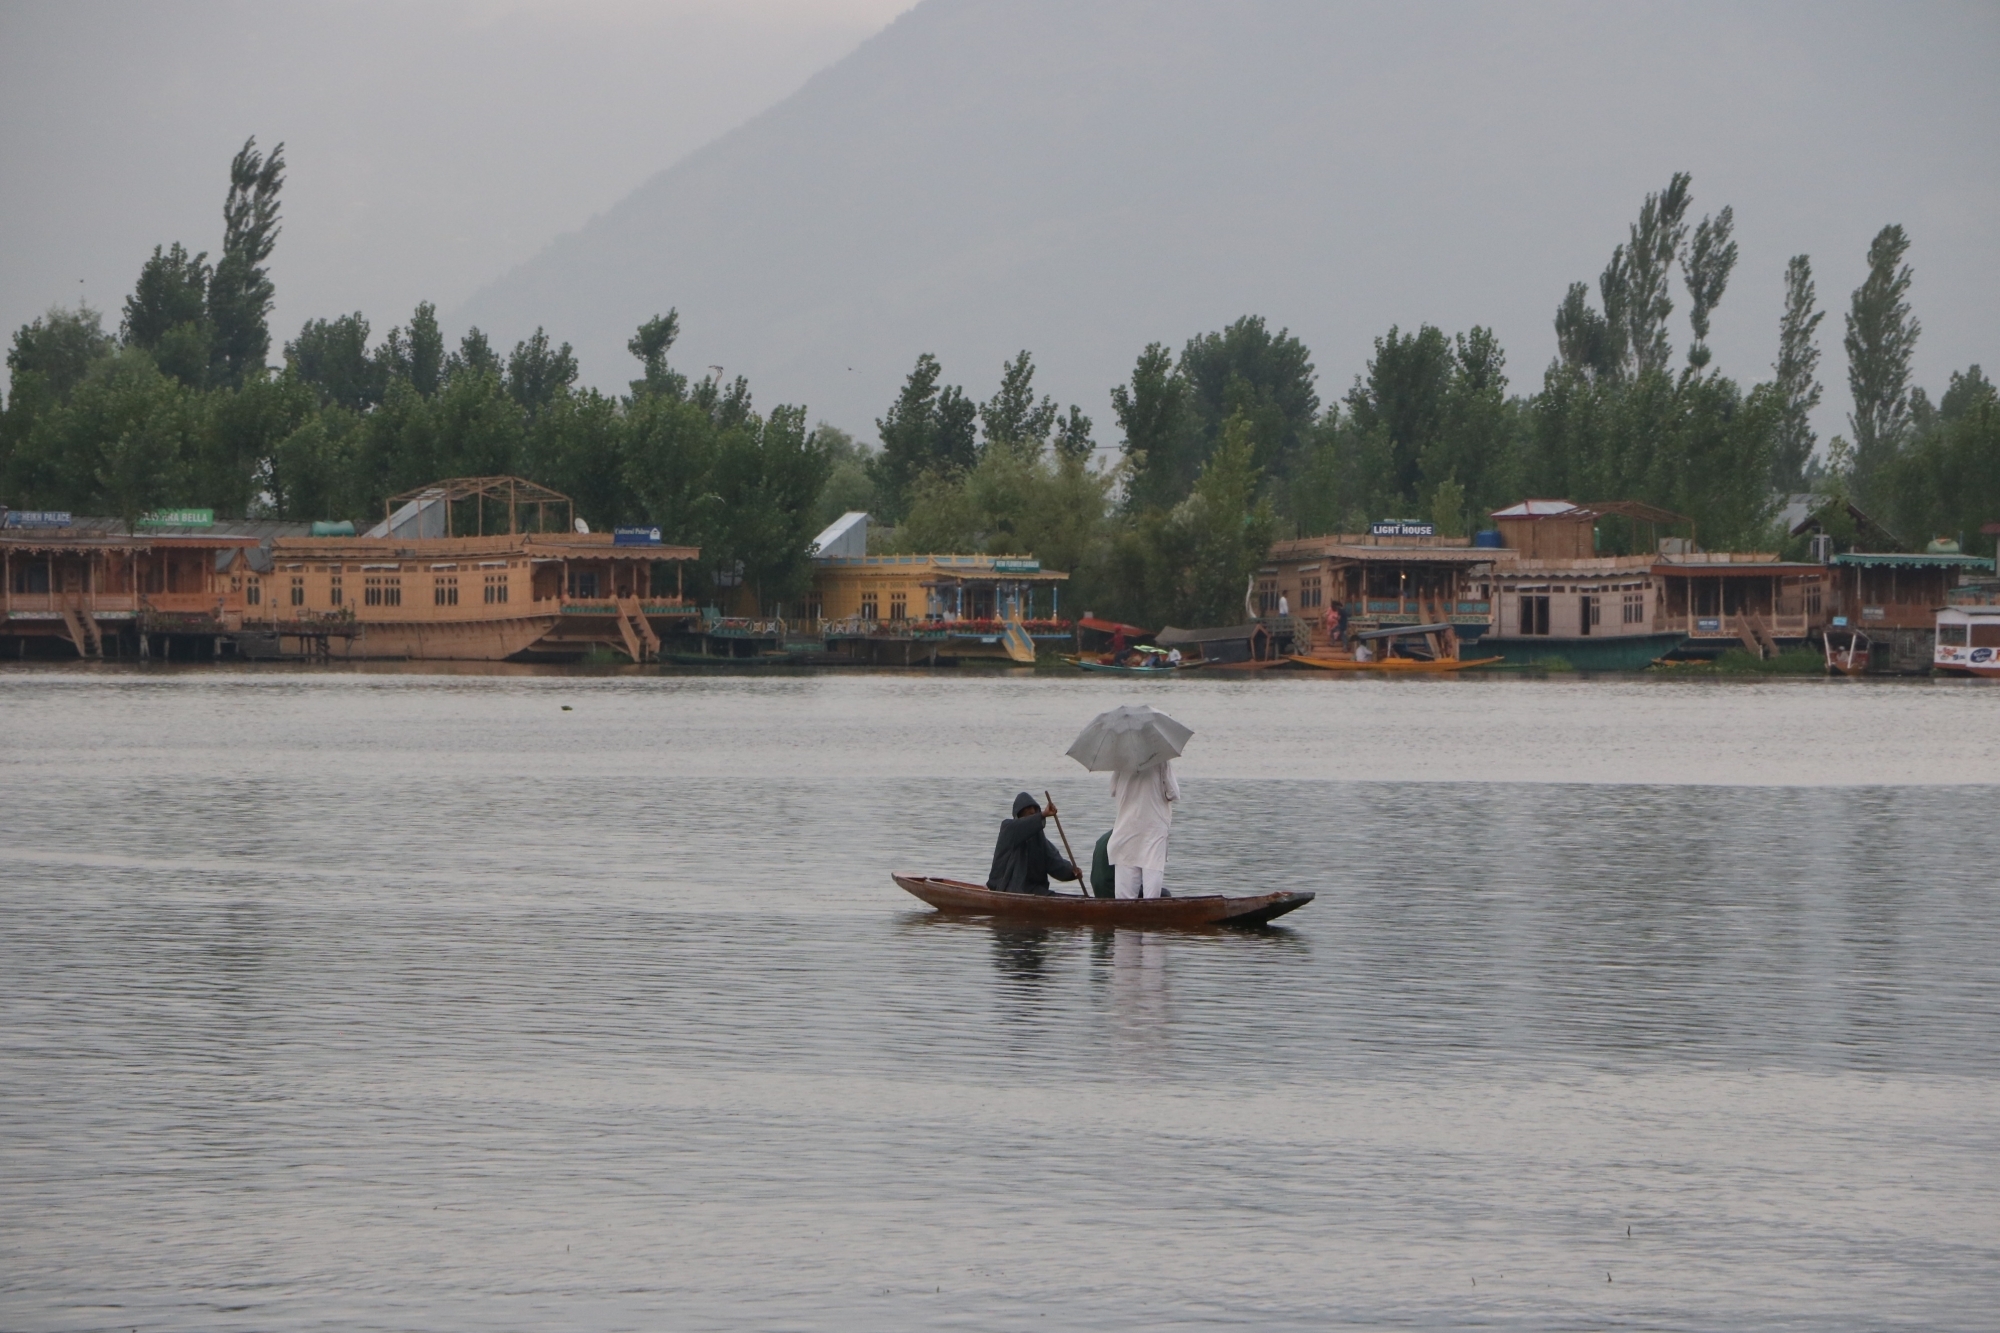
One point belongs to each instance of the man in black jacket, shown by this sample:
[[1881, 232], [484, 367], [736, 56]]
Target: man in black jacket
[[1024, 860]]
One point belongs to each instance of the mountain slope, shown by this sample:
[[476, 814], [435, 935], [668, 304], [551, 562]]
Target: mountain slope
[[1082, 178]]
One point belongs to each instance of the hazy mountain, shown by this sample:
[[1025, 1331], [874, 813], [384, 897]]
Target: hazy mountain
[[1082, 178]]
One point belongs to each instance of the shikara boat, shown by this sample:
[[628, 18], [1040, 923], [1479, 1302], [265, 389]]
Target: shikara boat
[[1112, 669], [1398, 648], [960, 898]]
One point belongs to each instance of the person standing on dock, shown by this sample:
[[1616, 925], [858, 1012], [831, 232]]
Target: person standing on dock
[[1138, 846]]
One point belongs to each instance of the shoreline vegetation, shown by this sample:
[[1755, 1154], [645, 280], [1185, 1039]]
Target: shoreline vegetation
[[1223, 445]]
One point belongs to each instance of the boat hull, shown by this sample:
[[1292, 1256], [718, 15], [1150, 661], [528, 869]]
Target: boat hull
[[1394, 665], [447, 641], [1593, 652], [963, 899], [1109, 670]]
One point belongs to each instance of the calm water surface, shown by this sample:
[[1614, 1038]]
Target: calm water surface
[[413, 1001]]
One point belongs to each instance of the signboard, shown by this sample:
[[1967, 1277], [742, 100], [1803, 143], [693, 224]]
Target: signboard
[[179, 518], [1402, 527], [1871, 613], [1017, 566], [1840, 622], [35, 518], [1708, 624], [635, 536]]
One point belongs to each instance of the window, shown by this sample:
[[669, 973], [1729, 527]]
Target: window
[[1812, 598], [298, 590], [254, 594], [1267, 597], [1635, 608], [333, 593], [1951, 636], [496, 588], [1986, 636], [1311, 593], [868, 606], [899, 606], [1535, 615], [444, 590], [378, 590], [583, 584], [1589, 613]]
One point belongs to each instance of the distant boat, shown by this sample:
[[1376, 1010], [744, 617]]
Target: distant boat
[[963, 899], [1111, 668], [1397, 648]]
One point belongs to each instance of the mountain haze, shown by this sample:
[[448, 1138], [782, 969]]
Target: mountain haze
[[1083, 178]]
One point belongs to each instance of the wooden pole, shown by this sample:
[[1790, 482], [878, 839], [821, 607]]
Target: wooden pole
[[1081, 882]]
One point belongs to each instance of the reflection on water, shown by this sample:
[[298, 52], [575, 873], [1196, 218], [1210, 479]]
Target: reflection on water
[[381, 1002]]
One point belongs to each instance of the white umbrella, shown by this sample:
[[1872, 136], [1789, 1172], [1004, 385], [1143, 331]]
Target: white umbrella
[[1128, 738]]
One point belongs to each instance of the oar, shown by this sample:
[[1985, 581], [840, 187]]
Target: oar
[[1081, 882]]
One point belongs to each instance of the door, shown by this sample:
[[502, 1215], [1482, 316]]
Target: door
[[1535, 614]]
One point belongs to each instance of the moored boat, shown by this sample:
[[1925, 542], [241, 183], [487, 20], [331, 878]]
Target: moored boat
[[1113, 668], [1398, 648], [966, 899]]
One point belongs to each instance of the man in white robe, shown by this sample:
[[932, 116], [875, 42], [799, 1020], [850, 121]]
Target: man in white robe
[[1138, 845]]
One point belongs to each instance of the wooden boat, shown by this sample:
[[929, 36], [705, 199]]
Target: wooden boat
[[1399, 648], [1212, 909], [1111, 669]]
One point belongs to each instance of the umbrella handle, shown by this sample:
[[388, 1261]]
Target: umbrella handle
[[1080, 882]]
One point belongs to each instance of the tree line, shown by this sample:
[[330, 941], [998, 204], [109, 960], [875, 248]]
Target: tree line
[[1223, 444]]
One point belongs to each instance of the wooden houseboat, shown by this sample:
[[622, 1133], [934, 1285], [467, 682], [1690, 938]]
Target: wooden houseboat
[[909, 610], [469, 569], [74, 584], [1555, 598], [1718, 600], [1397, 574], [1894, 598]]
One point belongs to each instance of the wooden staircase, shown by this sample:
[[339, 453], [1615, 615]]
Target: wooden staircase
[[641, 642], [1756, 635], [1020, 645], [83, 631]]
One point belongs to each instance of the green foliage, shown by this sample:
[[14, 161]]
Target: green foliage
[[1797, 381], [538, 373], [1192, 565], [1156, 413], [332, 357], [850, 486], [1706, 269], [240, 291], [1946, 481], [1265, 380], [1011, 417], [928, 429], [1881, 336], [167, 314], [651, 344], [61, 348]]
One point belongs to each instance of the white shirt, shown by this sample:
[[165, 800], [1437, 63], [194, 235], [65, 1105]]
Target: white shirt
[[1284, 607], [1145, 816]]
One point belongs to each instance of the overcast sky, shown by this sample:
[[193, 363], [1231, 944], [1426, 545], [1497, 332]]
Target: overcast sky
[[433, 146], [1077, 179]]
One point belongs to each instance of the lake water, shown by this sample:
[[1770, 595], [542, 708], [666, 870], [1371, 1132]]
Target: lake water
[[412, 1000]]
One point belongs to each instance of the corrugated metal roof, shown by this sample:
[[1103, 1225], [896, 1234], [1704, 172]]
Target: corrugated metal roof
[[1912, 560], [1535, 509]]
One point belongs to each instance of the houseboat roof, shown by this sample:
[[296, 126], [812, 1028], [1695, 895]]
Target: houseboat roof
[[1171, 637], [951, 568], [1733, 565], [551, 545], [1912, 560], [1536, 509], [1402, 631], [1361, 551], [95, 532]]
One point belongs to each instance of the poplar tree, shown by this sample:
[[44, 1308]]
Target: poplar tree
[[1706, 270], [240, 293], [1881, 335], [1012, 416], [1797, 379]]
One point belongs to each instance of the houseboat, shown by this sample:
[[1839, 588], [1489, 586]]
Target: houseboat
[[1399, 573], [1556, 599], [910, 610], [1893, 598], [72, 584]]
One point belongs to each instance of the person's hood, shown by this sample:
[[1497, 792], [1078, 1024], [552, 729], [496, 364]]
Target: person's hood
[[1022, 802]]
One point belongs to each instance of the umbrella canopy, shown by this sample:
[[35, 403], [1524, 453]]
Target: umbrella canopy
[[1129, 737]]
